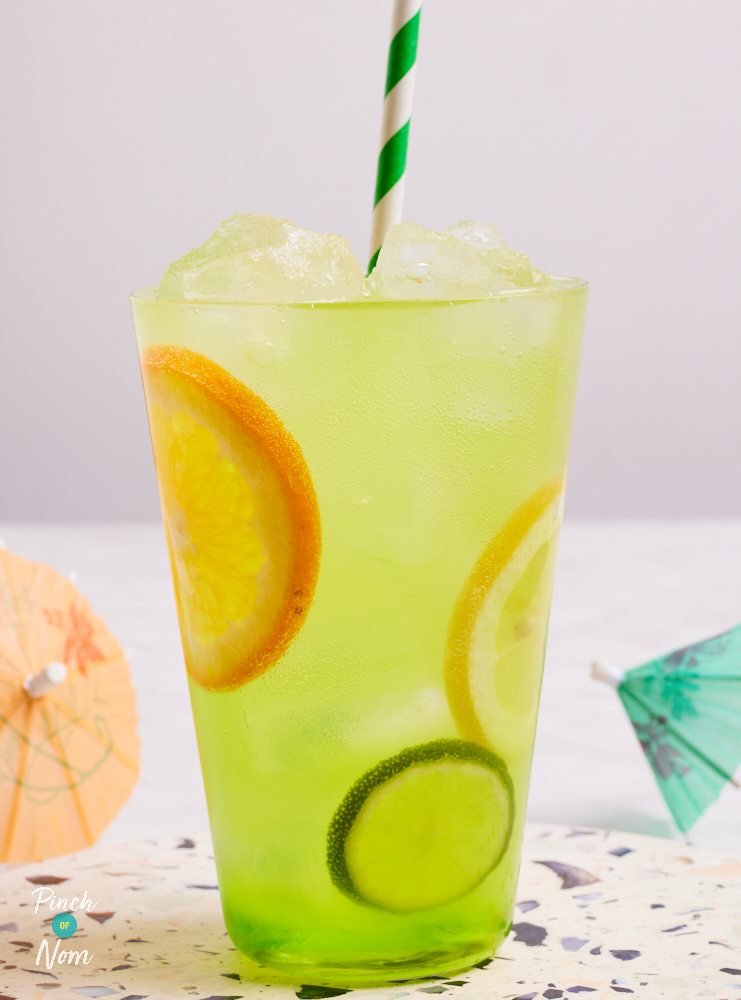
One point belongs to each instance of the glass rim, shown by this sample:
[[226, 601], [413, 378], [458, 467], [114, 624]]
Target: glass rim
[[563, 283]]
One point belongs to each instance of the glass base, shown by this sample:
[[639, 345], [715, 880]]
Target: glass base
[[375, 973]]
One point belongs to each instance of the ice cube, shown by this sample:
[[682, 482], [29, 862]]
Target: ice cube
[[466, 261], [258, 258], [479, 234]]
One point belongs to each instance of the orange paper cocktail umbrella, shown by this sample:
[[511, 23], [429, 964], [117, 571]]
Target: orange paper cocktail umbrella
[[69, 752]]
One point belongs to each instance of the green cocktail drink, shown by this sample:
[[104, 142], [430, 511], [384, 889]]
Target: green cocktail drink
[[362, 500]]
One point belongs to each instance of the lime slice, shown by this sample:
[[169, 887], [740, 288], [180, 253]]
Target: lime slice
[[423, 828], [497, 634]]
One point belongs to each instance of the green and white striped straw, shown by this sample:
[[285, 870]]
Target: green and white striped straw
[[397, 113]]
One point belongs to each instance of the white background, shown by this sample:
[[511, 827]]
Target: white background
[[603, 138]]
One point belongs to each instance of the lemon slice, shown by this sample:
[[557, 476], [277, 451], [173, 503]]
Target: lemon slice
[[240, 513], [423, 828], [497, 633]]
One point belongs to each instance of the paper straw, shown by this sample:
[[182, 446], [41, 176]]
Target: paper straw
[[397, 113]]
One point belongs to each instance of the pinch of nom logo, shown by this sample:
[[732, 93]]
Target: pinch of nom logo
[[64, 926]]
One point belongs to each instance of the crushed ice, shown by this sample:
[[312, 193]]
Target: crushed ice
[[257, 258]]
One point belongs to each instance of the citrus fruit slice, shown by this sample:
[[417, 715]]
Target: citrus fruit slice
[[423, 828], [497, 633], [240, 513]]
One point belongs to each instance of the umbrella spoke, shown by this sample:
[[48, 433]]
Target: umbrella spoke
[[5, 717], [73, 786], [15, 804], [692, 748], [84, 724], [25, 740]]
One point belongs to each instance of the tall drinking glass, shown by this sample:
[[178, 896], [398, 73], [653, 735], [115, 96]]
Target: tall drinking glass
[[362, 503]]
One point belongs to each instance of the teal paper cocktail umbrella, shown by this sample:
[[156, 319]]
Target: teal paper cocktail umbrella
[[686, 710]]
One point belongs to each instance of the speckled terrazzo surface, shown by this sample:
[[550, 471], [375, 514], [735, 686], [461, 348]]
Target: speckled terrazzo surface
[[598, 913]]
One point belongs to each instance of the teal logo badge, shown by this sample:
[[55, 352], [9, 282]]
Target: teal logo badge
[[64, 925]]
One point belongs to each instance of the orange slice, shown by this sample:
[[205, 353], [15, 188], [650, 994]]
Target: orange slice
[[240, 513], [497, 633]]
